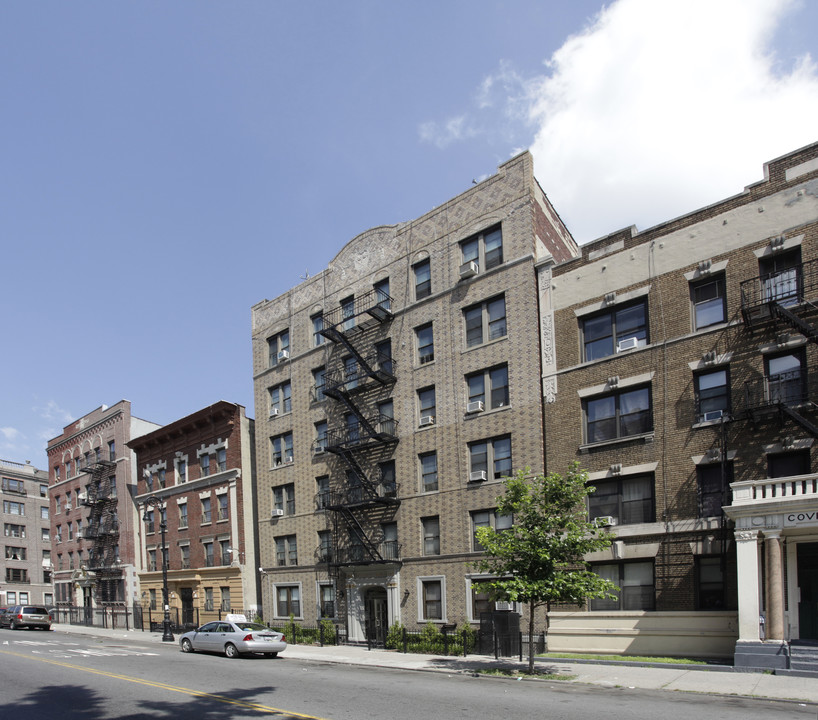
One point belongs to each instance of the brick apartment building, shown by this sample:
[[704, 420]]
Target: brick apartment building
[[680, 369], [93, 516], [199, 473], [26, 558], [393, 390]]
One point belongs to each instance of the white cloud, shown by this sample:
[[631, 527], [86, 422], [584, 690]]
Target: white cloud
[[653, 110], [660, 108], [10, 434], [53, 412], [444, 134]]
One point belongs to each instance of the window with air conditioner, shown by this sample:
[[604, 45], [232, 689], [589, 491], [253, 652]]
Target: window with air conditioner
[[491, 457], [426, 406], [482, 250], [487, 389], [712, 394], [278, 347], [615, 330], [623, 501]]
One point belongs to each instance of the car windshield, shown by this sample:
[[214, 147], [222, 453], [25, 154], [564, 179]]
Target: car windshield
[[253, 627]]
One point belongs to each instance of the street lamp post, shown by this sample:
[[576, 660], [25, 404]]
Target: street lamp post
[[155, 502]]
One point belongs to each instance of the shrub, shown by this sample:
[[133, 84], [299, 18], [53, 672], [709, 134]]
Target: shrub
[[394, 638]]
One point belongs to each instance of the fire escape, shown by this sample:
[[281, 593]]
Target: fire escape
[[782, 302], [102, 531], [362, 433]]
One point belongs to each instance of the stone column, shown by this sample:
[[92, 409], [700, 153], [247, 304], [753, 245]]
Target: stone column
[[774, 590], [748, 581]]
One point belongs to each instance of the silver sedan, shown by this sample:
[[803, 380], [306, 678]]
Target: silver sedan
[[233, 639]]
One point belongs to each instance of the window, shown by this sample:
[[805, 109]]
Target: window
[[348, 312], [318, 382], [324, 546], [712, 394], [19, 531], [16, 575], [288, 601], [709, 583], [431, 535], [57, 504], [390, 549], [278, 347], [619, 415], [183, 515], [207, 546], [322, 498], [111, 451], [388, 480], [627, 500], [428, 472], [485, 249], [786, 378], [488, 518], [486, 321], [45, 534], [43, 491], [423, 279], [280, 399], [222, 500], [181, 471], [148, 480], [709, 306], [206, 511], [326, 596], [351, 372], [286, 550], [150, 525], [67, 469], [432, 599], [225, 592], [321, 431], [382, 293], [10, 507], [788, 464], [70, 531], [184, 556], [152, 596], [426, 343], [781, 276], [386, 416], [225, 552], [489, 387], [43, 512], [635, 582], [221, 461], [383, 355], [282, 449], [284, 498], [615, 330], [317, 327], [160, 477], [151, 560], [426, 406], [56, 473], [15, 553], [208, 598], [490, 458], [204, 465], [14, 486]]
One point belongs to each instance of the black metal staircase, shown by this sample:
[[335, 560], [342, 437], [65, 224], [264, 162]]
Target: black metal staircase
[[358, 379], [102, 529]]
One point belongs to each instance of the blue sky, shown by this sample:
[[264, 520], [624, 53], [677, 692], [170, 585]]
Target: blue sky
[[166, 165]]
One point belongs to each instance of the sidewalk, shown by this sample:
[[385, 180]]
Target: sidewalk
[[714, 681]]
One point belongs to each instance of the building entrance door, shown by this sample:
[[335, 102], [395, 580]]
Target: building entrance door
[[808, 585], [377, 616], [186, 596]]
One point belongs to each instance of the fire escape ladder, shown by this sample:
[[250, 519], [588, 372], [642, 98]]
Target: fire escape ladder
[[799, 418], [357, 529], [788, 316]]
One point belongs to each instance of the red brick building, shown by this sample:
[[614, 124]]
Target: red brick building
[[198, 471]]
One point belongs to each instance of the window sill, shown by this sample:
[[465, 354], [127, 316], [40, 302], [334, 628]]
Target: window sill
[[490, 411], [644, 437], [710, 423], [485, 344]]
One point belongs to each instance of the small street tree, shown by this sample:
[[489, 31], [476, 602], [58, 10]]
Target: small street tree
[[539, 559]]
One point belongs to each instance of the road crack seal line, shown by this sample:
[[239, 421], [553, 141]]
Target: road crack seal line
[[171, 688]]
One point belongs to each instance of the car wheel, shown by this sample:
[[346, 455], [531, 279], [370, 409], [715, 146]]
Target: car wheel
[[231, 651], [187, 646], [13, 625], [275, 654]]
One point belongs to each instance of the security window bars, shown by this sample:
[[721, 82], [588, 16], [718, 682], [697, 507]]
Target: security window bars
[[615, 330], [619, 415], [486, 321]]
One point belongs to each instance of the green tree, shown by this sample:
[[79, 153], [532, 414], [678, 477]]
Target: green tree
[[538, 560]]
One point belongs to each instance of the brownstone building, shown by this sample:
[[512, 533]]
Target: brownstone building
[[93, 516], [196, 475], [393, 391], [678, 369]]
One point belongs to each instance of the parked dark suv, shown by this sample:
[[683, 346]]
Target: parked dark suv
[[26, 616]]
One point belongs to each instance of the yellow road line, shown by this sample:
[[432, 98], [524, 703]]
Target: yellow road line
[[165, 686]]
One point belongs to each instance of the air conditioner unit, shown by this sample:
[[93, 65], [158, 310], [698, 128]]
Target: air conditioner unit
[[474, 407], [468, 269], [627, 344], [319, 450], [79, 536], [277, 512], [82, 497], [427, 420], [283, 355], [605, 520], [273, 412], [477, 476], [713, 415], [500, 606], [288, 459], [68, 506]]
